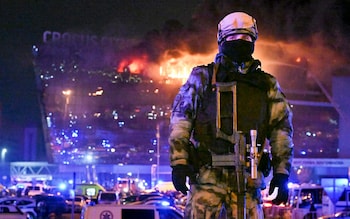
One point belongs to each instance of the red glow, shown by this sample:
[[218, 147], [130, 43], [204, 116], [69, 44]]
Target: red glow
[[136, 65]]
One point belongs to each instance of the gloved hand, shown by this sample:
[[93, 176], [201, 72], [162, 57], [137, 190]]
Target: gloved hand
[[179, 174], [281, 181]]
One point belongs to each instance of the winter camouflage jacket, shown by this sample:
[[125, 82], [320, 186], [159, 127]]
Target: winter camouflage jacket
[[191, 96]]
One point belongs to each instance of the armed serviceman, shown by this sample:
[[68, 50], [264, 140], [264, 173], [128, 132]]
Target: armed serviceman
[[214, 114]]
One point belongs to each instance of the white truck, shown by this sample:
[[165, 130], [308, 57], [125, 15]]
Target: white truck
[[309, 200], [108, 211], [305, 201]]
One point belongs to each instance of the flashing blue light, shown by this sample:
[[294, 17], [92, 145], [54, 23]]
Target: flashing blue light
[[165, 203], [62, 186]]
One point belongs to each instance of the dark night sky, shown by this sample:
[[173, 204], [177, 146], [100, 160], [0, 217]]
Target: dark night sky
[[22, 23]]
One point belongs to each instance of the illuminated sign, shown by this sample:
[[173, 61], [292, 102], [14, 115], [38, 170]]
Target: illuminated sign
[[80, 39], [321, 162]]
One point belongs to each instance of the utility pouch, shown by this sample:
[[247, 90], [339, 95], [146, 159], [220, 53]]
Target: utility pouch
[[198, 157], [265, 164]]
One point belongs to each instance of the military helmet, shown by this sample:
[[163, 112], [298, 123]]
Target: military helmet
[[237, 23]]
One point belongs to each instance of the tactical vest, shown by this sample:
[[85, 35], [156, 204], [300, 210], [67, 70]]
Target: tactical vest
[[252, 107]]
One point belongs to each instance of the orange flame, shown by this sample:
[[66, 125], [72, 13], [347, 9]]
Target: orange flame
[[176, 68], [135, 65], [180, 67]]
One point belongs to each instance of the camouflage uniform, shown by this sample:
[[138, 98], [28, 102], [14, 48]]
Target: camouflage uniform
[[213, 195]]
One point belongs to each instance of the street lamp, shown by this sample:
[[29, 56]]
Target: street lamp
[[3, 153], [158, 151], [67, 94]]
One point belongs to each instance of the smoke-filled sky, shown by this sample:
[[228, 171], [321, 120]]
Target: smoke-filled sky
[[316, 30]]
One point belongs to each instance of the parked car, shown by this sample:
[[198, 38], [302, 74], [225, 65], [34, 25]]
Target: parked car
[[34, 190], [47, 204], [11, 212], [141, 197], [27, 205], [130, 212], [79, 203], [156, 200]]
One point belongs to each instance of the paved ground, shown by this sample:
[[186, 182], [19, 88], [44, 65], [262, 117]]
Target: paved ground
[[69, 216]]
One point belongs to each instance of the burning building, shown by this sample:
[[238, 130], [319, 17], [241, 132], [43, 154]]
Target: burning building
[[103, 97]]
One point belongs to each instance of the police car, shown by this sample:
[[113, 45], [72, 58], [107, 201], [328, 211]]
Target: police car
[[11, 212], [27, 205], [107, 211]]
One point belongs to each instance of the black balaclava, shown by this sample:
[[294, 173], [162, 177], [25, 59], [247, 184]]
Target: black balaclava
[[237, 50]]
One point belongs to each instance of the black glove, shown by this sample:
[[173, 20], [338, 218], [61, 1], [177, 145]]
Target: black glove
[[179, 174], [281, 181]]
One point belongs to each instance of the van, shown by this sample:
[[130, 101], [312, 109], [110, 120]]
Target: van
[[305, 201], [108, 197], [34, 190], [130, 212], [309, 199], [344, 200], [29, 189], [90, 190]]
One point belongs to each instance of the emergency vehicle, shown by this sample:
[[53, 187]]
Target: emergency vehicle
[[305, 201], [90, 190], [108, 211]]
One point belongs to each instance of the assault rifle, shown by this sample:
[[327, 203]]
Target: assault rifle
[[242, 150]]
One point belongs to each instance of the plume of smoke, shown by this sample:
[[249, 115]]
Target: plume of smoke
[[310, 29]]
